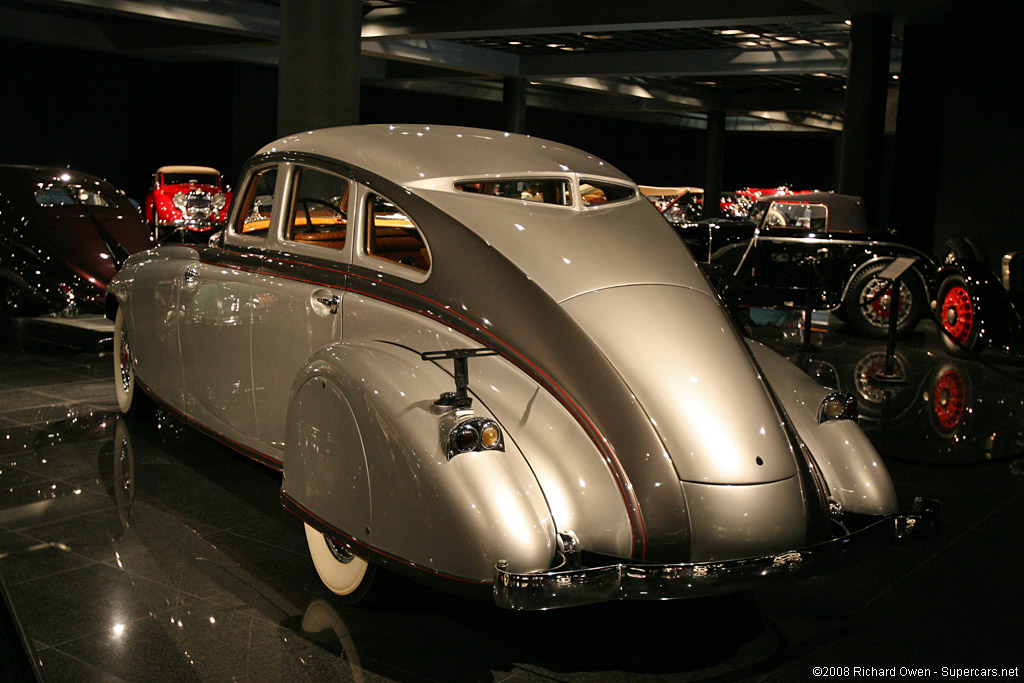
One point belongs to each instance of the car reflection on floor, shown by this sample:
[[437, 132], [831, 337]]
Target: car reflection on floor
[[145, 551], [944, 411]]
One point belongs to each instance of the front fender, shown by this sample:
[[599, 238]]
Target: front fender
[[852, 468], [365, 458]]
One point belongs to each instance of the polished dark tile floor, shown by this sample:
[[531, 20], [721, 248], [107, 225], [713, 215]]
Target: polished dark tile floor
[[146, 552]]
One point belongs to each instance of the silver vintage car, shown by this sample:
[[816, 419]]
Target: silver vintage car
[[485, 361]]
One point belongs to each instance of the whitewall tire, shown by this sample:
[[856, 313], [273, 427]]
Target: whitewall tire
[[130, 398], [345, 574]]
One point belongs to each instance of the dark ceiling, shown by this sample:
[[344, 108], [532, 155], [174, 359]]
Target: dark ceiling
[[772, 64]]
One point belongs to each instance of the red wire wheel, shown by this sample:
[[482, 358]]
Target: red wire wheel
[[949, 399], [958, 313]]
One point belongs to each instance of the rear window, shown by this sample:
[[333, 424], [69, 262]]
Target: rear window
[[600, 192], [540, 190], [56, 194]]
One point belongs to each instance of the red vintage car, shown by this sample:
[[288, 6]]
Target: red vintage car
[[186, 202], [754, 193]]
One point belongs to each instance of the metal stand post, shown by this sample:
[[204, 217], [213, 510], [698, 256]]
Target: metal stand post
[[893, 272]]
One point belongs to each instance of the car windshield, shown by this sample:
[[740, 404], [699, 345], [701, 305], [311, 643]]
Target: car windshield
[[191, 179], [793, 214], [57, 194]]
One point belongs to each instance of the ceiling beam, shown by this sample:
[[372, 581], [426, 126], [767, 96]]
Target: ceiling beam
[[715, 62], [471, 18], [16, 24], [238, 17], [444, 53]]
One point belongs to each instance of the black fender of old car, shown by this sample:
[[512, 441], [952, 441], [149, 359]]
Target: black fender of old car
[[471, 509], [922, 273]]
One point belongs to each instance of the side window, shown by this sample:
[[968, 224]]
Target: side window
[[254, 218], [320, 210], [391, 235]]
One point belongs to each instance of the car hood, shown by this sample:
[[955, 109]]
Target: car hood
[[694, 378]]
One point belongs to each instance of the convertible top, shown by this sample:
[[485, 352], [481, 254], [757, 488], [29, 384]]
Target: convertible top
[[409, 154], [655, 191], [845, 212], [188, 169]]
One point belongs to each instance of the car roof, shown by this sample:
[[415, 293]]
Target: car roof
[[187, 169], [845, 211], [407, 154]]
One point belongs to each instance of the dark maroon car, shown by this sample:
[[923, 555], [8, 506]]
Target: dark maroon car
[[63, 235]]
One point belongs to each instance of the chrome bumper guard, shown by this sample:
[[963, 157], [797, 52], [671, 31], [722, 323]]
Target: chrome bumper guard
[[568, 588]]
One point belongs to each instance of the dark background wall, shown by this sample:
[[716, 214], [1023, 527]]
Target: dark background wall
[[954, 167], [121, 118]]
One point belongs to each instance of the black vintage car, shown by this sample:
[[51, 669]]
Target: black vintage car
[[814, 250], [63, 235]]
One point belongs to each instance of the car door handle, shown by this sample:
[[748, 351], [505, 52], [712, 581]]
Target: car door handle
[[331, 302]]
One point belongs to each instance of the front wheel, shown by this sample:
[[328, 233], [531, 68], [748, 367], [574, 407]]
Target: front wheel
[[132, 401], [867, 303], [344, 573], [958, 318]]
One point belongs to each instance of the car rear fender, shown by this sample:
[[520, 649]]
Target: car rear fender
[[853, 470], [366, 459]]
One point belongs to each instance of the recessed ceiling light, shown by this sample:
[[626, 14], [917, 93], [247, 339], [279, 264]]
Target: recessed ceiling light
[[800, 41], [514, 42], [556, 45], [848, 22], [749, 35], [730, 32], [749, 43]]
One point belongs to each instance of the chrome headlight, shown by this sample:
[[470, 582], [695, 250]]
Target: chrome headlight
[[837, 406], [219, 201], [475, 434], [180, 201]]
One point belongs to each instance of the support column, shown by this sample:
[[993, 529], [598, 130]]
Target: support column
[[514, 99], [867, 83], [924, 80], [715, 166], [318, 66]]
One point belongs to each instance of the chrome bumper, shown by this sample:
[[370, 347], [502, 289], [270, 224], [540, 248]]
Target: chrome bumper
[[567, 588], [195, 225]]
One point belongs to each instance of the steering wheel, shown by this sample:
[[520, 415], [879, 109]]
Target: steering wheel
[[313, 201]]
